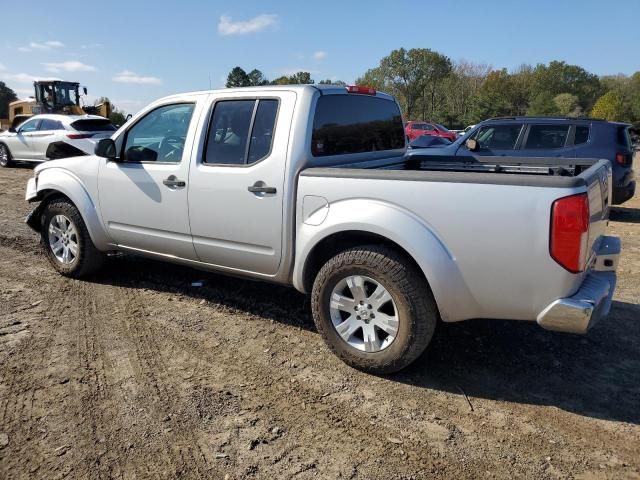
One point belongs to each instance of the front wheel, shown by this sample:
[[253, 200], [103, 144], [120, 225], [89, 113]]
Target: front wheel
[[5, 156], [66, 240], [374, 309]]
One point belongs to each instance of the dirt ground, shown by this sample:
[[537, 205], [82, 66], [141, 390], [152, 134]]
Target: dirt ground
[[137, 374]]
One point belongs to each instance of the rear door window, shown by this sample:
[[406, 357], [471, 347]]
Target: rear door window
[[48, 124], [241, 131], [624, 139], [345, 124], [582, 135], [500, 137], [545, 137]]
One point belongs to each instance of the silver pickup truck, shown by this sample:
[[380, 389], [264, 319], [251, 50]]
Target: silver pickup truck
[[310, 186]]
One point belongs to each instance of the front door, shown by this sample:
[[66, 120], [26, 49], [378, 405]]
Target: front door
[[143, 196], [236, 189], [22, 148], [502, 139]]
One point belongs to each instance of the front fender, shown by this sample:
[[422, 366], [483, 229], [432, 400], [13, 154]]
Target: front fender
[[400, 226], [52, 180]]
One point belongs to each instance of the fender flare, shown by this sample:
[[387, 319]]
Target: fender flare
[[52, 180], [400, 226]]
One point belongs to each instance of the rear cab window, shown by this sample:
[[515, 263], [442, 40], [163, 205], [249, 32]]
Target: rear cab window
[[348, 124]]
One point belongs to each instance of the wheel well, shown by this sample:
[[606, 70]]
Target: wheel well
[[48, 196], [341, 241]]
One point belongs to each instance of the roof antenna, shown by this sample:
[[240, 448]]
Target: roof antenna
[[209, 81]]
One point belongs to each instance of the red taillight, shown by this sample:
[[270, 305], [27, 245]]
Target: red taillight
[[570, 232], [623, 159], [76, 136], [361, 90]]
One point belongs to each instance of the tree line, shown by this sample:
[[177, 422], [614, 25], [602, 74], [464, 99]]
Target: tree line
[[431, 86]]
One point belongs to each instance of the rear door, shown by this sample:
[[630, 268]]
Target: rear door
[[548, 140], [236, 187]]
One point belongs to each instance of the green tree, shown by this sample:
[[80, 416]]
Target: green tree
[[560, 77], [6, 97], [237, 78], [411, 75], [568, 105], [494, 97], [543, 104], [256, 78], [609, 107], [299, 78], [328, 81]]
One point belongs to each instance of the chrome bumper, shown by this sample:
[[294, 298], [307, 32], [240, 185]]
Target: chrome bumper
[[592, 301]]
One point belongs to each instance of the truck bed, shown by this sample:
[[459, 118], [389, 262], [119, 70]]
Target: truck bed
[[525, 171]]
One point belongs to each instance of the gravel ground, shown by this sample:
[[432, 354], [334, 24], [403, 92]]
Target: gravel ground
[[136, 374]]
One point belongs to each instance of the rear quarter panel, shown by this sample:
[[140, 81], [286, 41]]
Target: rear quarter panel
[[483, 248]]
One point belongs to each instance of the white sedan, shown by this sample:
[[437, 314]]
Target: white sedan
[[48, 137]]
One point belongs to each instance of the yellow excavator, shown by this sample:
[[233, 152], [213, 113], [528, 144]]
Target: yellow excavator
[[55, 96]]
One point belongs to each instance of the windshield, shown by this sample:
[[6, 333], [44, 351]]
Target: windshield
[[66, 94]]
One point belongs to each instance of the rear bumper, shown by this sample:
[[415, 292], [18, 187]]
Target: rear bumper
[[592, 301]]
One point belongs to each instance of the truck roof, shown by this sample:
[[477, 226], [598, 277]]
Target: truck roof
[[323, 89], [537, 118]]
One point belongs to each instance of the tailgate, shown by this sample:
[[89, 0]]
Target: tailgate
[[599, 183]]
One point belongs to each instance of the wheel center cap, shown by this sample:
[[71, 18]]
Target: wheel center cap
[[363, 312]]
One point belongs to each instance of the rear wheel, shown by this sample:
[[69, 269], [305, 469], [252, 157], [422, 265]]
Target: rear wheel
[[5, 156], [374, 309], [66, 240]]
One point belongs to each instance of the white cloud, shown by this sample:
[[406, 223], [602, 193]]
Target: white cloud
[[48, 45], [70, 66], [128, 76], [226, 26], [26, 78], [319, 55], [91, 45], [2, 67]]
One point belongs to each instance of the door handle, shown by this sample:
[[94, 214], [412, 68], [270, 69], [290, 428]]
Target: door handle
[[172, 181], [261, 189]]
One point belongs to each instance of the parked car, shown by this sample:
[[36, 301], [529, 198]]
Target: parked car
[[414, 130], [310, 186], [47, 137], [427, 141], [557, 138]]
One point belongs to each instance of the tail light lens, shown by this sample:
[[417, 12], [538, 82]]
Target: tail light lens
[[570, 232], [623, 159], [76, 136]]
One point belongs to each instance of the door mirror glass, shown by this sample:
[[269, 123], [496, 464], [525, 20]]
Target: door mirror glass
[[472, 144], [106, 148]]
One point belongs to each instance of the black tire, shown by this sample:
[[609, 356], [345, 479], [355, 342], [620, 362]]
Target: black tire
[[416, 308], [6, 160], [88, 258]]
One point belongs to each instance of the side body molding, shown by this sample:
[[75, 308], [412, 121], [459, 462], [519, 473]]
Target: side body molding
[[393, 222]]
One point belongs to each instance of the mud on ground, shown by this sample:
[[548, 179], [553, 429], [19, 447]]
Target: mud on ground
[[137, 374]]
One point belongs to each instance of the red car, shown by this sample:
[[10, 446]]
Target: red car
[[414, 130]]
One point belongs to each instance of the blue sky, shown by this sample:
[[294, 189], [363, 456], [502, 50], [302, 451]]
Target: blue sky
[[138, 50]]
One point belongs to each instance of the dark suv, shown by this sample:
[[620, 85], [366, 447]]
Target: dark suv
[[551, 137]]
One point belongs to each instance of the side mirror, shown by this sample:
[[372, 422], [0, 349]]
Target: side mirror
[[472, 144], [106, 148], [84, 89], [12, 130]]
